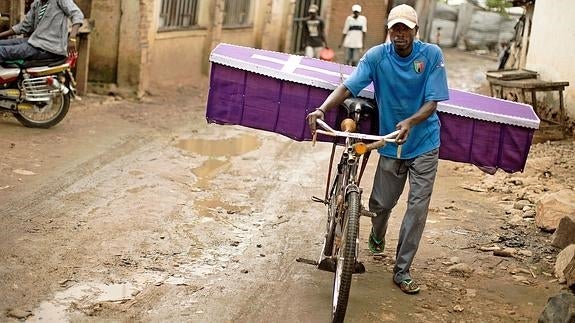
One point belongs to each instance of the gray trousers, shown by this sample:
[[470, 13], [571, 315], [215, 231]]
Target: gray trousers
[[19, 48], [388, 184]]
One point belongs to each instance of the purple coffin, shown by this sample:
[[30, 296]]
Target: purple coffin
[[275, 91]]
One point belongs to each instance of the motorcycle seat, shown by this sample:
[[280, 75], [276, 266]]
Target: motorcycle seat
[[36, 63]]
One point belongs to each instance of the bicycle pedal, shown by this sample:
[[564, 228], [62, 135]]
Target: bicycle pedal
[[327, 264], [317, 199], [368, 214], [359, 268], [307, 261]]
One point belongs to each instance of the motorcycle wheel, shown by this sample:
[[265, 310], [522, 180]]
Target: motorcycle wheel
[[34, 115]]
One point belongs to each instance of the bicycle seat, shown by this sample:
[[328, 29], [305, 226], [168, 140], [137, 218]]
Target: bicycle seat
[[367, 108], [36, 63], [368, 113]]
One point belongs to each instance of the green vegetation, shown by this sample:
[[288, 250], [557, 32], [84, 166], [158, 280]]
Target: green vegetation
[[499, 5]]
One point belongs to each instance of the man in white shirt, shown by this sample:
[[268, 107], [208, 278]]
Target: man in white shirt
[[354, 31]]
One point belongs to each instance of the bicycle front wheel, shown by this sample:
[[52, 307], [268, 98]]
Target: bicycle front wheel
[[346, 258]]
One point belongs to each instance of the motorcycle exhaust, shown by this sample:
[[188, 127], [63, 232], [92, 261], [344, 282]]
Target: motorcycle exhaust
[[53, 82]]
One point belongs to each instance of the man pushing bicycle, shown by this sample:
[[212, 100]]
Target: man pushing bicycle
[[409, 79]]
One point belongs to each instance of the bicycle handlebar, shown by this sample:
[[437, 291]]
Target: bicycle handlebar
[[360, 148], [334, 133]]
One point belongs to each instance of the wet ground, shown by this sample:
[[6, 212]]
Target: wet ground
[[141, 211]]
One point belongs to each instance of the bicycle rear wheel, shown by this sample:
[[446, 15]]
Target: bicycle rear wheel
[[346, 258]]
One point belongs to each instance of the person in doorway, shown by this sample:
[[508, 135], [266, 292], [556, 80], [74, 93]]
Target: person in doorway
[[46, 24], [313, 33], [354, 30], [409, 79]]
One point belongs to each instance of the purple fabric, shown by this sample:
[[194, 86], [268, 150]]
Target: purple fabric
[[240, 97], [488, 145]]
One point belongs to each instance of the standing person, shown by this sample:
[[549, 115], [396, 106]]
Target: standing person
[[46, 23], [409, 79], [313, 33], [354, 30]]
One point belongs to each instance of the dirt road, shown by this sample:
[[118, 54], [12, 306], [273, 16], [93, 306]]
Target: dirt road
[[140, 211]]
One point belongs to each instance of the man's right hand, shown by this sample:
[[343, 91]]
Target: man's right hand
[[7, 33], [312, 117]]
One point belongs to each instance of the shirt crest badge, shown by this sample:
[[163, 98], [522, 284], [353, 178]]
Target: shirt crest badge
[[418, 66]]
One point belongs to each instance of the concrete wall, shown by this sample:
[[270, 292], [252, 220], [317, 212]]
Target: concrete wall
[[552, 44], [129, 62], [128, 51], [176, 58], [275, 24], [105, 39]]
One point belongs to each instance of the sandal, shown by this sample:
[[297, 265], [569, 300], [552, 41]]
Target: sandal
[[376, 247], [408, 286]]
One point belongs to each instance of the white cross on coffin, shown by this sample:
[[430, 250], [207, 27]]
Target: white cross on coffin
[[293, 63]]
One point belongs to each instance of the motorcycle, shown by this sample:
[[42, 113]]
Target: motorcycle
[[38, 93]]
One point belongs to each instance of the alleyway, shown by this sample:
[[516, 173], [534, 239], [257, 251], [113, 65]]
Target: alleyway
[[140, 211]]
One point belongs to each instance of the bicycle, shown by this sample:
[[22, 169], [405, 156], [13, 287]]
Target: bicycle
[[343, 198]]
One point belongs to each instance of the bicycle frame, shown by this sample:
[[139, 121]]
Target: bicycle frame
[[343, 199]]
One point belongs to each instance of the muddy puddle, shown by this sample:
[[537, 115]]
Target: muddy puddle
[[219, 152], [228, 147], [57, 310]]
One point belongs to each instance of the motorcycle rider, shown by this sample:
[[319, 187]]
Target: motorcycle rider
[[46, 23]]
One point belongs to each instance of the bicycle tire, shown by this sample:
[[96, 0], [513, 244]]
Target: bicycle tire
[[332, 215], [346, 258]]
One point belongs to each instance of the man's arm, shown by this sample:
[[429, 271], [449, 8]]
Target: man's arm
[[333, 100], [7, 33], [72, 40], [344, 32], [404, 126], [76, 15], [26, 25]]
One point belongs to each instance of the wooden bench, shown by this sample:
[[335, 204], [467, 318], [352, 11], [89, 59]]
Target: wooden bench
[[527, 82]]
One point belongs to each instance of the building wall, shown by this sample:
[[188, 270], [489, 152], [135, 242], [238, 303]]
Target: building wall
[[551, 56], [128, 71], [176, 58], [130, 52], [105, 39]]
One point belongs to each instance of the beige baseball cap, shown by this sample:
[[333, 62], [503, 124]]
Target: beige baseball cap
[[402, 14], [313, 8], [355, 8]]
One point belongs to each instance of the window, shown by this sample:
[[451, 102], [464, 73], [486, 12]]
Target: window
[[178, 14], [237, 13]]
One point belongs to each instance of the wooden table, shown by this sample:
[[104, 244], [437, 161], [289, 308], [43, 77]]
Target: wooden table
[[530, 86]]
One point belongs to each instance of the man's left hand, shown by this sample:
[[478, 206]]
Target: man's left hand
[[72, 47], [403, 127]]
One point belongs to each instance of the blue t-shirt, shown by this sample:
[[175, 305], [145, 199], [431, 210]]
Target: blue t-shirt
[[402, 85]]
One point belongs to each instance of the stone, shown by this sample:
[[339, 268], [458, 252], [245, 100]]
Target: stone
[[569, 273], [460, 269], [565, 233], [563, 259], [559, 308], [552, 207], [529, 214], [519, 205], [507, 252], [18, 314]]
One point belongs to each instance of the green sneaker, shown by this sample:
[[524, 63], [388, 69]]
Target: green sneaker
[[376, 247]]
